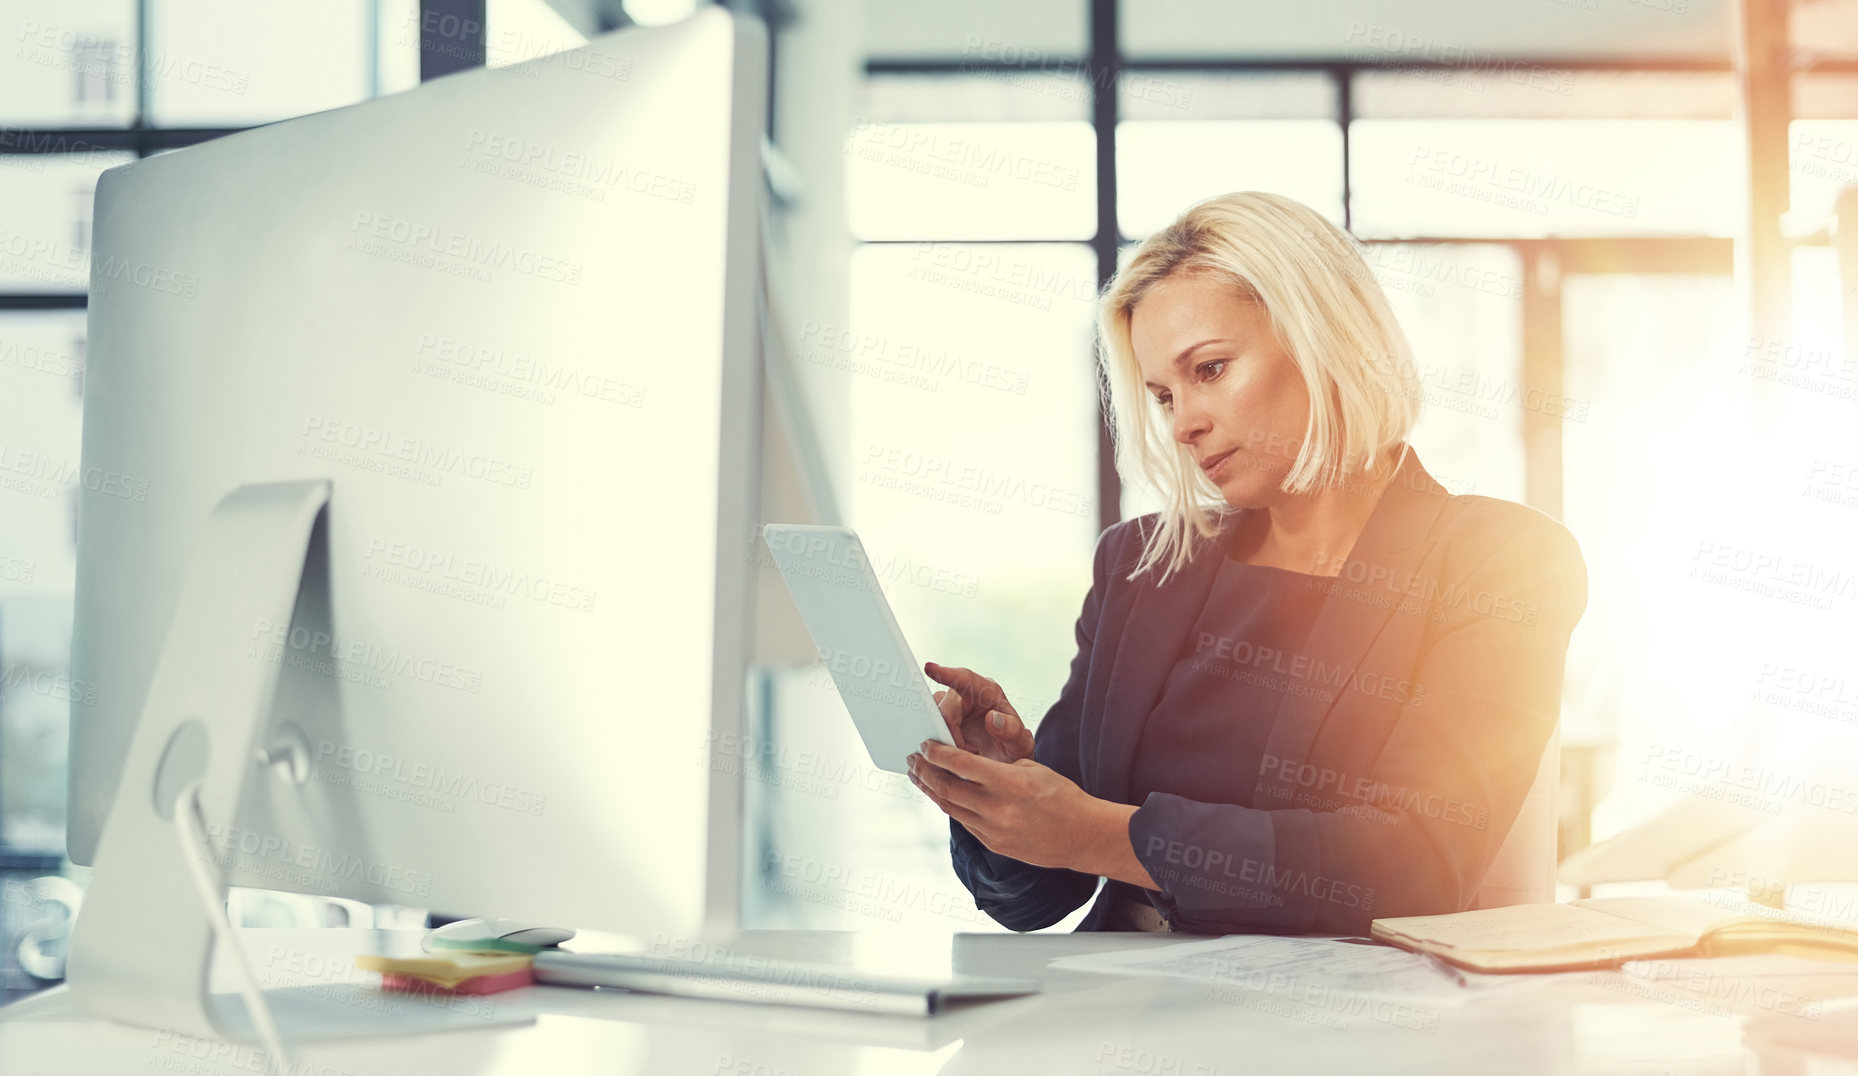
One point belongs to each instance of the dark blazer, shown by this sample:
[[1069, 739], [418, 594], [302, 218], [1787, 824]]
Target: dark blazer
[[1427, 692]]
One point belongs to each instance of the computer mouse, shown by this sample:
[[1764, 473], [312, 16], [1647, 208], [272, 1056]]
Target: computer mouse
[[508, 930]]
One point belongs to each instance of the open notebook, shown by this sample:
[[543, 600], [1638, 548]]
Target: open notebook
[[1610, 930]]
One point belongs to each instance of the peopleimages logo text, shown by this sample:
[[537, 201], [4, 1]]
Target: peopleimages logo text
[[468, 249]]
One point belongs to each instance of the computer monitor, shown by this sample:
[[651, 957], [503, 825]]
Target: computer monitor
[[510, 317]]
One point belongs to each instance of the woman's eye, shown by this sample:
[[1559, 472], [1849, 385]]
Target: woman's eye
[[1212, 369], [1164, 402]]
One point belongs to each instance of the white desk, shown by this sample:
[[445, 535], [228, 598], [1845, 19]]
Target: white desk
[[1082, 1023]]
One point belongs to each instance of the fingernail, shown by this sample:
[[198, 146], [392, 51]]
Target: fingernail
[[999, 720], [924, 747]]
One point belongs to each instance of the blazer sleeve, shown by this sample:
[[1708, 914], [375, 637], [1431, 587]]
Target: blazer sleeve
[[1416, 834], [1019, 895]]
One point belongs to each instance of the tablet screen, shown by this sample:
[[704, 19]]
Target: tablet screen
[[858, 640]]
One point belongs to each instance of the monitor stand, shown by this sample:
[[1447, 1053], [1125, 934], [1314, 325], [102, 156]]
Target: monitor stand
[[142, 947]]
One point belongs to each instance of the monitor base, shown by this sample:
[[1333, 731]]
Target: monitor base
[[354, 1010], [142, 947]]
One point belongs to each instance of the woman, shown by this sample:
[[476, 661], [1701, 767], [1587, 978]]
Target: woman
[[1312, 690]]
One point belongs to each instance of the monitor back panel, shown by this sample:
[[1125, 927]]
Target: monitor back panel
[[511, 316]]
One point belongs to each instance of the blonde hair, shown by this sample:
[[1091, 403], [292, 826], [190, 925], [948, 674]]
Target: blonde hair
[[1325, 309]]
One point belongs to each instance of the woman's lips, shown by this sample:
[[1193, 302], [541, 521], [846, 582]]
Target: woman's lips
[[1213, 465]]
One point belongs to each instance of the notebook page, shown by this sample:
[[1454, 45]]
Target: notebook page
[[1543, 928], [1678, 915]]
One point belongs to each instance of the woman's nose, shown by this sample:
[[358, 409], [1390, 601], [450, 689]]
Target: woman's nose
[[1190, 423]]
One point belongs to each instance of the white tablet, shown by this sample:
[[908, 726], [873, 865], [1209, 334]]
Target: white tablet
[[858, 640]]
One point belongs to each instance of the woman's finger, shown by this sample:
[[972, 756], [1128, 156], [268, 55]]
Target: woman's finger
[[963, 775], [967, 681], [954, 810], [941, 674], [954, 710], [942, 778], [1010, 732]]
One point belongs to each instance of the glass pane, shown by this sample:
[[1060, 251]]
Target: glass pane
[[846, 846], [976, 96], [973, 434], [1639, 671], [45, 236], [1226, 95], [1545, 177], [397, 41], [1533, 91], [1163, 167], [1026, 33], [1823, 29], [69, 63], [229, 62], [1466, 31], [1820, 95], [41, 412], [521, 30], [1138, 497], [36, 696], [1822, 162], [1717, 643], [1461, 308], [969, 158], [1820, 309], [971, 181], [998, 335]]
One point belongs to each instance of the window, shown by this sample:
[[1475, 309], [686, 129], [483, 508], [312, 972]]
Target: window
[[972, 157], [1189, 136], [1027, 33], [520, 30], [1492, 177], [967, 375], [47, 239], [1375, 32], [93, 71], [1554, 240], [1461, 308], [217, 62], [68, 99], [69, 63]]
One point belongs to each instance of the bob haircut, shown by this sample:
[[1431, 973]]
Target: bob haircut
[[1327, 312]]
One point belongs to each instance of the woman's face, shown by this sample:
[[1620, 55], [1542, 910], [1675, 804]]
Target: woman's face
[[1233, 395]]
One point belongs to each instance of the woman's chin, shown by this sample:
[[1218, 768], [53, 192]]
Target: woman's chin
[[1238, 494]]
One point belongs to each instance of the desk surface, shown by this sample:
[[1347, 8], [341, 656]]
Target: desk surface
[[1082, 1023]]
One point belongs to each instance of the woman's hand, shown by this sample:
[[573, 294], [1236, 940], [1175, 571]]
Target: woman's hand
[[979, 718], [1020, 809]]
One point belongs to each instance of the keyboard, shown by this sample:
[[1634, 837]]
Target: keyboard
[[772, 982]]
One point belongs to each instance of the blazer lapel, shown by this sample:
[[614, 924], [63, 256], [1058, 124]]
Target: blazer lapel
[[1361, 600]]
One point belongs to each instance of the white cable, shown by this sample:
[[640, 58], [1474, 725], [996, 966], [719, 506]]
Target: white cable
[[194, 845]]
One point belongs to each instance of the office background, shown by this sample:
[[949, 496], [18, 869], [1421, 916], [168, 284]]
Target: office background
[[1558, 197]]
